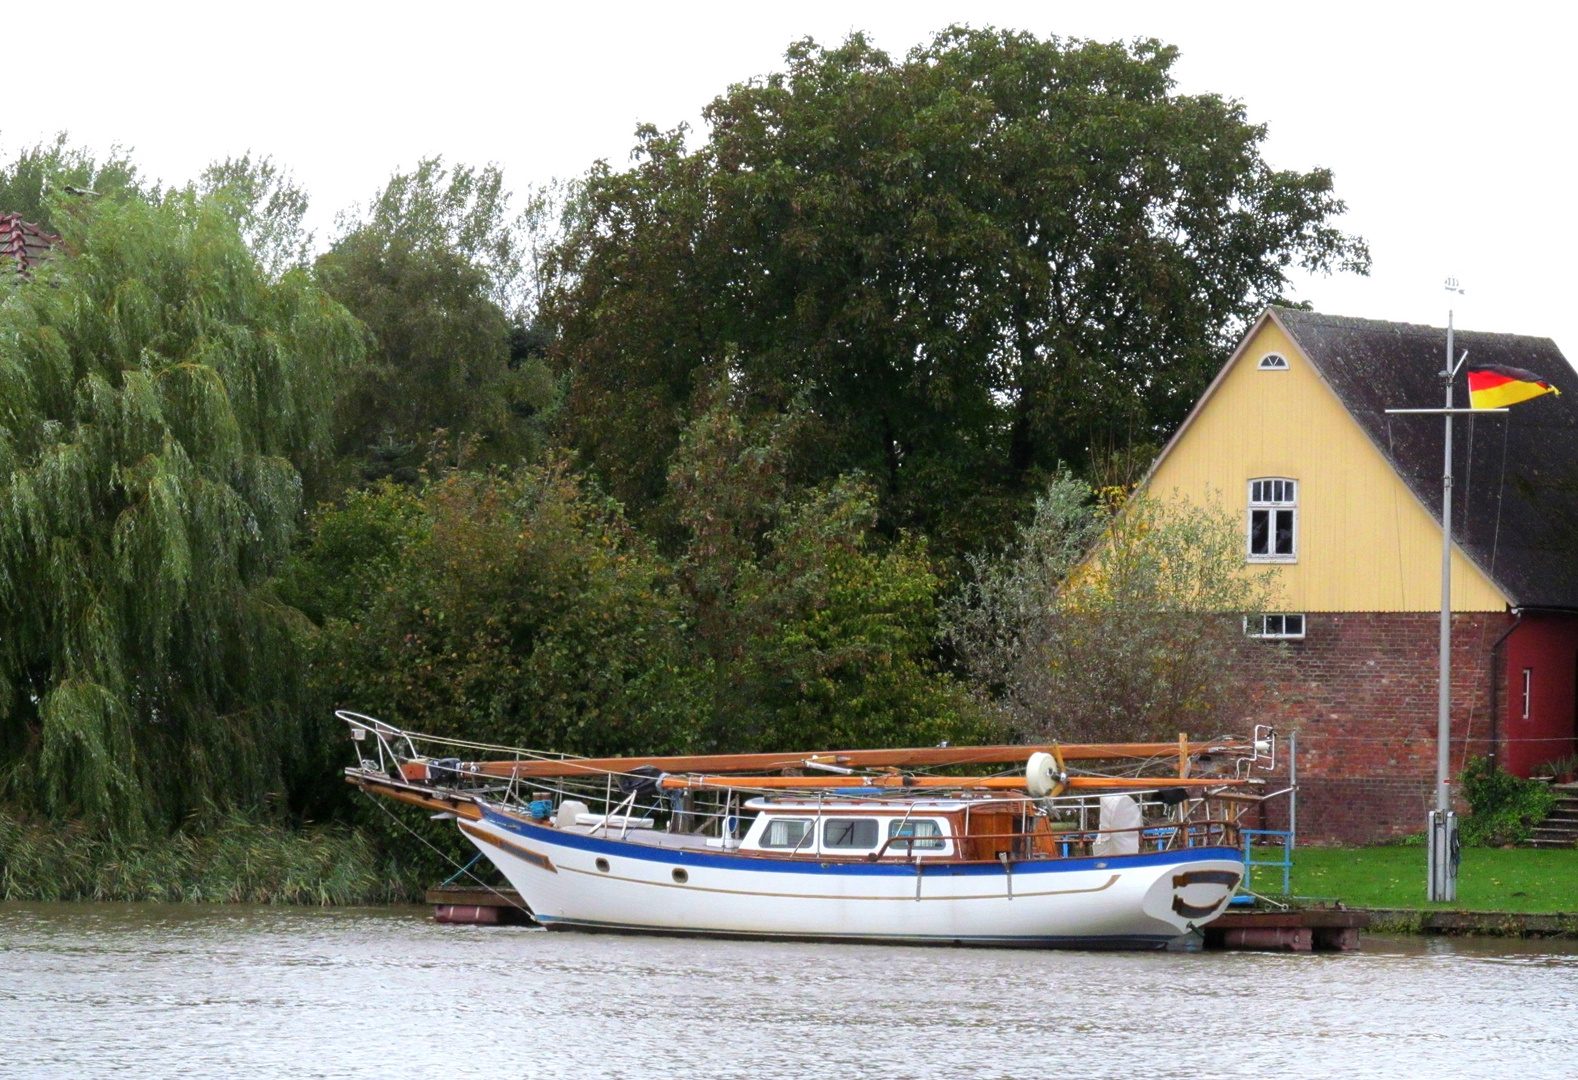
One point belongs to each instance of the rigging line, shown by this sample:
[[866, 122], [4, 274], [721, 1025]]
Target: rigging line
[[1473, 701], [1468, 480], [1468, 487], [442, 855], [1501, 485], [1468, 731]]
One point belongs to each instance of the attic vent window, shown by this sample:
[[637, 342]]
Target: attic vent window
[[1273, 362], [1273, 520]]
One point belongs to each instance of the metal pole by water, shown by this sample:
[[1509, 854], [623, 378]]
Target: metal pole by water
[[1443, 822]]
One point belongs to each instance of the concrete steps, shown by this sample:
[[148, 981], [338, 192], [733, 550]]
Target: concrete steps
[[1560, 827]]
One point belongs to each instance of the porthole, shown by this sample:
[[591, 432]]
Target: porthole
[[681, 875], [602, 864]]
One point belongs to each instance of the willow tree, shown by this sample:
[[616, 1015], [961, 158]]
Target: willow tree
[[158, 396]]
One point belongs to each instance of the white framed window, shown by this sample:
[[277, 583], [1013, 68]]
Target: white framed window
[[915, 835], [1273, 520], [1528, 687], [850, 832], [1273, 362], [792, 833], [1276, 627]]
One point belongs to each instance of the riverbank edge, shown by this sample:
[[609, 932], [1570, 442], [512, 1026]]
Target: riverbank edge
[[235, 860], [1473, 923]]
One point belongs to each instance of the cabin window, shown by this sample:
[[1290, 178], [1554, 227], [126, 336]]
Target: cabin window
[[1273, 520], [786, 833], [849, 833], [1274, 626], [1273, 362], [924, 834]]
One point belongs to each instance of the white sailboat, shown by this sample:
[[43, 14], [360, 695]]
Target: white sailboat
[[873, 847]]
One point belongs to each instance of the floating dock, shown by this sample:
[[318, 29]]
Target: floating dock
[[1293, 930], [478, 905]]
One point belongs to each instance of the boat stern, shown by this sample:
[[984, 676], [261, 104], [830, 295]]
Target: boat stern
[[1188, 895]]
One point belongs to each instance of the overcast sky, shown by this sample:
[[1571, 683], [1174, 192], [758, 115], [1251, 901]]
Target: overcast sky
[[1451, 131]]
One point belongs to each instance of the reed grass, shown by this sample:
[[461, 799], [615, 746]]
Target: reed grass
[[236, 861]]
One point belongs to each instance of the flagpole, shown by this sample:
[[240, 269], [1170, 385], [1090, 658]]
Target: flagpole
[[1442, 822]]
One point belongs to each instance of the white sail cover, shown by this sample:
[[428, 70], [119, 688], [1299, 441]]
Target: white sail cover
[[1118, 812]]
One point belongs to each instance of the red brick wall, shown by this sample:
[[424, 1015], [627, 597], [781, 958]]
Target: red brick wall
[[1360, 691], [1363, 810]]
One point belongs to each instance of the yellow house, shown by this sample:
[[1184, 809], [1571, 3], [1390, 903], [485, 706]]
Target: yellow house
[[1292, 438]]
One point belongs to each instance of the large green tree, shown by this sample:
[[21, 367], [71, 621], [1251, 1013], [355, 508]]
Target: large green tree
[[268, 206], [997, 253], [159, 395], [431, 268], [817, 632]]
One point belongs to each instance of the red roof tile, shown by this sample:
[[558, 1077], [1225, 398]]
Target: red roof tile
[[23, 241]]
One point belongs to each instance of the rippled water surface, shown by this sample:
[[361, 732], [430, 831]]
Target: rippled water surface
[[156, 991]]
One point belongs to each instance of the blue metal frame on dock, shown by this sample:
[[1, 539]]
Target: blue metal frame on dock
[[1286, 862]]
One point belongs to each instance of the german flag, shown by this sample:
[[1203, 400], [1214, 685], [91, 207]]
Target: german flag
[[1492, 386]]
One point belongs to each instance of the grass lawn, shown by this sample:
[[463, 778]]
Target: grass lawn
[[1489, 879]]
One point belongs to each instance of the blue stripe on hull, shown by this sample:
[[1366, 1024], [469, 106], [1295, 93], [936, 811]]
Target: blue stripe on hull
[[544, 834]]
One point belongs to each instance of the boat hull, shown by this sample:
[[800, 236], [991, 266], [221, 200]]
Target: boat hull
[[572, 881]]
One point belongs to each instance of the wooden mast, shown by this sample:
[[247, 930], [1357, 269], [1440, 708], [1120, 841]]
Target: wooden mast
[[917, 757], [915, 783]]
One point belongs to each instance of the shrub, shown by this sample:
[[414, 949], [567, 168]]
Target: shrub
[[1111, 619], [1504, 809], [511, 606]]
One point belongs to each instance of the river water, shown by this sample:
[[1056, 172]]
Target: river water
[[214, 991]]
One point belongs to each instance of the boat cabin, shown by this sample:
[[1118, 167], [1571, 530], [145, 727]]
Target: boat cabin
[[851, 829], [988, 828]]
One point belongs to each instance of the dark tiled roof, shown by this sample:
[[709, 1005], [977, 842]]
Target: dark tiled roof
[[1515, 494], [23, 241]]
